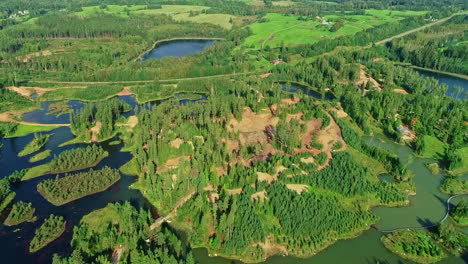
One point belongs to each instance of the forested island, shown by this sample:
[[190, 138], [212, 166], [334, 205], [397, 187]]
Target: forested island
[[52, 228], [290, 125], [75, 186]]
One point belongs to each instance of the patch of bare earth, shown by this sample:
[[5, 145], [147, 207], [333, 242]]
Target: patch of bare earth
[[172, 164], [308, 160], [271, 248], [176, 143], [95, 131], [339, 112], [363, 79], [252, 131], [125, 91], [400, 91], [298, 188], [259, 196], [235, 191]]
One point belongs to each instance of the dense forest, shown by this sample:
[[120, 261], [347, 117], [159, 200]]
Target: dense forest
[[124, 230], [268, 155], [414, 245]]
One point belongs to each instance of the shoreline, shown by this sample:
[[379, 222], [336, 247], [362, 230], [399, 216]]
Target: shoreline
[[168, 40]]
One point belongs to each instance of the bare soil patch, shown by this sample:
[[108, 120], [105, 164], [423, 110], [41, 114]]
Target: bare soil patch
[[95, 131], [271, 248], [400, 91], [125, 91], [298, 188], [235, 191], [339, 112], [176, 143], [259, 196], [363, 79]]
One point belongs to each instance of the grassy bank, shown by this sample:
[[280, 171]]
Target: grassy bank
[[40, 156]]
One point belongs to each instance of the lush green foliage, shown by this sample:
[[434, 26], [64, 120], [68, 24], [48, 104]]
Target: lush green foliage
[[122, 227], [36, 144], [413, 245], [460, 213], [454, 185], [97, 121], [75, 186], [69, 160], [52, 228], [21, 212], [40, 156], [432, 49]]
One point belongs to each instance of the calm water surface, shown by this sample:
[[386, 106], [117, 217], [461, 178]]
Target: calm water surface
[[178, 48]]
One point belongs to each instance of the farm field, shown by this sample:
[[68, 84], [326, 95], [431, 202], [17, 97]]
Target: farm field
[[290, 30], [119, 10], [192, 14]]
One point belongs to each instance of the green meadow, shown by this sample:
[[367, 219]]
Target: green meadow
[[276, 29], [190, 13], [120, 10]]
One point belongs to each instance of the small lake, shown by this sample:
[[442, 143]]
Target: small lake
[[178, 48], [452, 83]]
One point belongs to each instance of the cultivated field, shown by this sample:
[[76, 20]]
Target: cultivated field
[[276, 29]]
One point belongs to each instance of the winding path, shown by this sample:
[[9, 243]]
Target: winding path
[[429, 226]]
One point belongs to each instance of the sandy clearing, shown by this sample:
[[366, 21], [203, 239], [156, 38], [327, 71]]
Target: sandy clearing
[[298, 188], [400, 91], [235, 191], [125, 91], [308, 160], [339, 112], [259, 196], [176, 143], [363, 79], [95, 131]]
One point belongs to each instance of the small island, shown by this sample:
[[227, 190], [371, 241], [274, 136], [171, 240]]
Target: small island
[[20, 213], [35, 145], [69, 160], [460, 214], [75, 186], [413, 245], [40, 156], [52, 228]]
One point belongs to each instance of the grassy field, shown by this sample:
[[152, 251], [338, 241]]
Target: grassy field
[[90, 94], [434, 148], [463, 153], [277, 29], [40, 156], [182, 13], [24, 130], [120, 10]]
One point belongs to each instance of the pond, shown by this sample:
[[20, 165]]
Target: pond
[[452, 83], [178, 48]]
